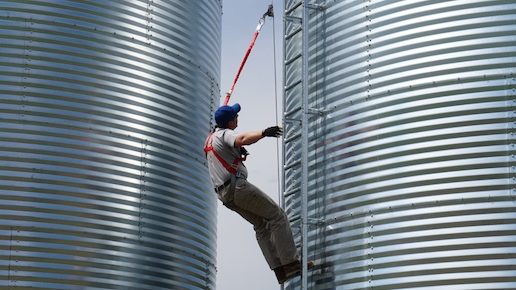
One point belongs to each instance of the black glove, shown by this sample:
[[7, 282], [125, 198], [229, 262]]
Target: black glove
[[275, 131]]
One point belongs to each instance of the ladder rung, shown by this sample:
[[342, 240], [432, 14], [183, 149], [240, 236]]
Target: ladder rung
[[292, 138], [294, 19], [291, 112], [293, 33], [292, 120], [310, 221], [291, 191], [295, 219], [294, 7], [290, 61], [289, 166], [291, 86], [319, 7]]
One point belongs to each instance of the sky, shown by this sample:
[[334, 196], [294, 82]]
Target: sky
[[240, 264]]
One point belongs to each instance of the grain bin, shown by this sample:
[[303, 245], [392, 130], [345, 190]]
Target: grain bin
[[102, 176], [411, 163]]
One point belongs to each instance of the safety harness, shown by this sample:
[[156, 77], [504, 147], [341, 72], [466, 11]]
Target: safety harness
[[231, 168]]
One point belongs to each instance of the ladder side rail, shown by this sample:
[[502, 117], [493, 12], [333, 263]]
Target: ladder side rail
[[304, 146]]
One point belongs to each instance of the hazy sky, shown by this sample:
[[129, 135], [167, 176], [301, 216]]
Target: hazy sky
[[240, 261]]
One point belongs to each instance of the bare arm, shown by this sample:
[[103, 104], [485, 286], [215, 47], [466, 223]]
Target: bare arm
[[247, 138]]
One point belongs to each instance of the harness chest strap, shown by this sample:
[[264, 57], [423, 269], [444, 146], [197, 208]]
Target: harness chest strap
[[229, 167]]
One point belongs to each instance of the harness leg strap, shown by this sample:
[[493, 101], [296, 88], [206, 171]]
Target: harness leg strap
[[231, 191]]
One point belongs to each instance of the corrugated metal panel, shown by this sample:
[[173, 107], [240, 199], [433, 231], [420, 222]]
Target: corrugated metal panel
[[101, 103], [412, 169]]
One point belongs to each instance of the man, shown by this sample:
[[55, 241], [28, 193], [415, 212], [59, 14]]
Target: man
[[225, 153]]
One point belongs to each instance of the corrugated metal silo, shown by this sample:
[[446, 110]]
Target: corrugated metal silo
[[411, 164], [102, 180]]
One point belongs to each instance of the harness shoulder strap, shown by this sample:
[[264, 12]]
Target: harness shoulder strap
[[207, 144], [208, 147]]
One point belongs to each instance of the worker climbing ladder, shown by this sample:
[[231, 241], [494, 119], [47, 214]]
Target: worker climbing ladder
[[295, 115]]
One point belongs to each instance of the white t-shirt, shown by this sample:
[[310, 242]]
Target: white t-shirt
[[223, 142]]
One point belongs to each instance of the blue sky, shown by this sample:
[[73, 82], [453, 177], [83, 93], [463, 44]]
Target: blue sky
[[240, 261]]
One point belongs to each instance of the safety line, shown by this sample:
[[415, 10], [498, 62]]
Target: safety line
[[269, 13]]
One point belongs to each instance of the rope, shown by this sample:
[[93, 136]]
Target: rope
[[278, 164]]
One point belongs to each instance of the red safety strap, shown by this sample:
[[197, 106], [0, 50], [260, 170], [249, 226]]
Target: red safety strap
[[209, 148], [269, 13], [251, 45]]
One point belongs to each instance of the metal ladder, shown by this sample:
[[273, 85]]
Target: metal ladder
[[295, 118]]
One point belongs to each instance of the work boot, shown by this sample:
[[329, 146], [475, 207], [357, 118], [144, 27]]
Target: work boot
[[285, 272], [280, 275], [291, 270]]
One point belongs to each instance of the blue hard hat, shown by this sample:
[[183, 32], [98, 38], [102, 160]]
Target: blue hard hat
[[225, 114]]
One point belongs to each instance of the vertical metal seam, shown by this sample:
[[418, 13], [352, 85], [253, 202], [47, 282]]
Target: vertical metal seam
[[10, 256]]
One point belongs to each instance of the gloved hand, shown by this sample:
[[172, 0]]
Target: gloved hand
[[274, 131]]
